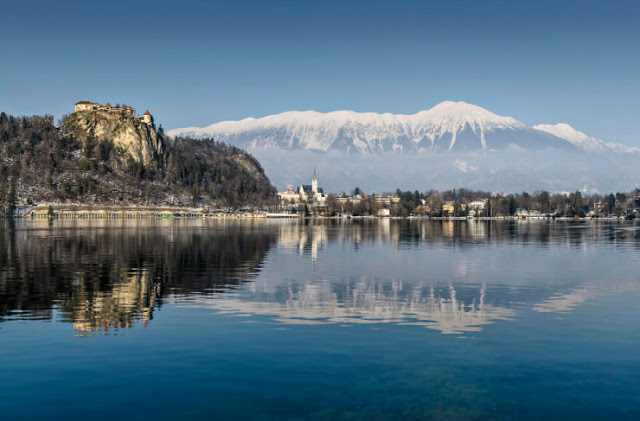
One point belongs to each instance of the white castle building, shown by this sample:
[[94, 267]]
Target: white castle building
[[146, 118]]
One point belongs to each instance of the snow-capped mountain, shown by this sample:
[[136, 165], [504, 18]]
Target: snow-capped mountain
[[381, 152], [449, 126], [583, 141]]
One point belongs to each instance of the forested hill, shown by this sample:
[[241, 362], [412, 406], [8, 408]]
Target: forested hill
[[96, 158]]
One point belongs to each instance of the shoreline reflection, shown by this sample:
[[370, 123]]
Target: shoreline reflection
[[108, 275]]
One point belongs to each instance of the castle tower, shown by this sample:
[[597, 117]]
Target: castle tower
[[147, 118], [84, 106], [314, 183]]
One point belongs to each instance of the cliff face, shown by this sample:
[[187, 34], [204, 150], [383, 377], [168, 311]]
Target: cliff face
[[130, 136]]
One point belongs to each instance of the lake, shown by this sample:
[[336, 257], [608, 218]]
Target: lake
[[304, 319]]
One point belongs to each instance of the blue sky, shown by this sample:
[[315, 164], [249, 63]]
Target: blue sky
[[199, 62]]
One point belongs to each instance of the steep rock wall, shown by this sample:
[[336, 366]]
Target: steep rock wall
[[134, 138]]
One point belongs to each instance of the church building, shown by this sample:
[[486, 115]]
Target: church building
[[312, 193], [309, 193]]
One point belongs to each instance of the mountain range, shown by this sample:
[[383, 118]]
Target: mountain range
[[449, 126], [454, 144]]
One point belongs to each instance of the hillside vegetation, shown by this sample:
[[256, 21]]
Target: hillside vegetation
[[97, 158]]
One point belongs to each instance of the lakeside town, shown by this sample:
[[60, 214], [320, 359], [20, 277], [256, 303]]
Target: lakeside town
[[311, 201]]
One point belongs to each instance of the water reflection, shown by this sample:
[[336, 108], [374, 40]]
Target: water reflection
[[443, 275], [309, 236], [366, 301], [127, 301], [564, 302], [110, 275]]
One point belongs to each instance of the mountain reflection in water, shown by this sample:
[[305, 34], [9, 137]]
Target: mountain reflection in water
[[454, 277], [369, 301]]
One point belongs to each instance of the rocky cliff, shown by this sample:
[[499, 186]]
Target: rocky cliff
[[130, 136]]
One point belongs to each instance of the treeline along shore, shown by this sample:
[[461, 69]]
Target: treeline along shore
[[140, 212], [464, 203], [450, 204]]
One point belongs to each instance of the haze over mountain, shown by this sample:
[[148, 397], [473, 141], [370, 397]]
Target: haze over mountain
[[450, 145]]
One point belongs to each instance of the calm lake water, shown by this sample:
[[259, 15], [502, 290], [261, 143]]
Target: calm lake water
[[371, 320]]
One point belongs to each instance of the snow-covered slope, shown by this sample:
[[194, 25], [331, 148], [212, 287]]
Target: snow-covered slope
[[347, 148], [583, 141], [452, 126]]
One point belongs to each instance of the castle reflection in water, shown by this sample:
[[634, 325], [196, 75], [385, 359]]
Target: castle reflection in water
[[443, 275]]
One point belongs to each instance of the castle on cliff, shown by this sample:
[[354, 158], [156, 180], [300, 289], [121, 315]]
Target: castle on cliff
[[94, 106]]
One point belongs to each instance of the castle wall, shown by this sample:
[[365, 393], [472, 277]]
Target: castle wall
[[83, 107]]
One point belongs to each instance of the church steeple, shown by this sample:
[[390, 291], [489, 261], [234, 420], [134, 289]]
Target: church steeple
[[314, 182]]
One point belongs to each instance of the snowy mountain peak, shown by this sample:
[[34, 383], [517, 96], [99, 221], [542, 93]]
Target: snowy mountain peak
[[564, 131], [460, 108], [462, 111], [447, 126], [453, 118]]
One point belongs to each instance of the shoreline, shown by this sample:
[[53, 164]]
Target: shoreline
[[143, 212]]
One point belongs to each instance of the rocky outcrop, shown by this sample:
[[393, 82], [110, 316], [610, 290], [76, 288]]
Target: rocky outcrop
[[130, 136]]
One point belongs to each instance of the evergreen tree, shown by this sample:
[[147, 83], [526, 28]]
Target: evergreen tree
[[11, 198], [611, 201]]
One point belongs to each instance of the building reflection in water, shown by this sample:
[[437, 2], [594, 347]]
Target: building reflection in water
[[105, 275]]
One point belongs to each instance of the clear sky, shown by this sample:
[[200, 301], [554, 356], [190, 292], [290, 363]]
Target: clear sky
[[199, 62]]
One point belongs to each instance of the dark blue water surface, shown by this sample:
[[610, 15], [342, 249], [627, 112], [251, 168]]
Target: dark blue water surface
[[371, 320]]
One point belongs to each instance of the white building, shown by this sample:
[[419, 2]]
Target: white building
[[309, 193], [312, 193], [86, 106], [476, 207], [478, 204], [289, 196], [147, 118]]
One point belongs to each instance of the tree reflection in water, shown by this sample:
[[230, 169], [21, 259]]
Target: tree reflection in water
[[102, 275]]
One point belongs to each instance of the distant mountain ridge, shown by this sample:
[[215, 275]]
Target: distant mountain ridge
[[449, 126], [583, 141]]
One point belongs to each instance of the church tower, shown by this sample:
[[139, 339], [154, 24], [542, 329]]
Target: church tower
[[314, 183]]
